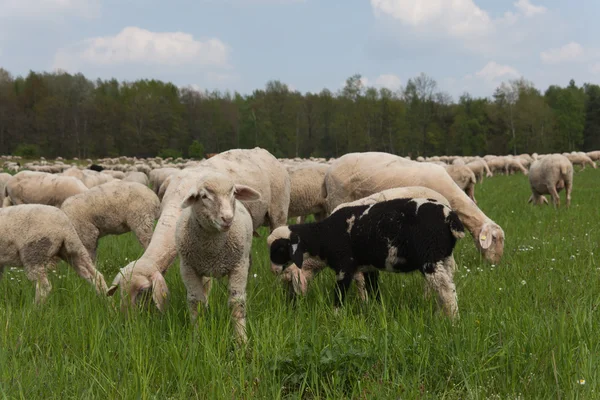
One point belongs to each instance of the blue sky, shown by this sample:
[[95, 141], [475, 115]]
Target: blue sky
[[465, 45]]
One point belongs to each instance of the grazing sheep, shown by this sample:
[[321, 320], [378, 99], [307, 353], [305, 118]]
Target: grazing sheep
[[550, 175], [512, 165], [89, 178], [306, 196], [464, 178], [96, 167], [357, 175], [114, 174], [29, 187], [579, 158], [214, 239], [113, 208], [256, 168], [135, 176], [33, 236], [157, 176], [400, 235], [297, 279], [479, 168]]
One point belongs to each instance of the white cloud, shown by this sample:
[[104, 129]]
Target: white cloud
[[136, 45], [457, 18], [595, 68], [528, 9], [389, 81], [461, 21], [493, 71], [48, 9], [568, 53]]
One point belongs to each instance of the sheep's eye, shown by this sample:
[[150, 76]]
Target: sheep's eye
[[204, 196]]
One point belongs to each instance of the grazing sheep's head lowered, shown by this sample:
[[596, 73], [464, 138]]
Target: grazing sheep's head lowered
[[491, 241], [213, 201], [285, 247]]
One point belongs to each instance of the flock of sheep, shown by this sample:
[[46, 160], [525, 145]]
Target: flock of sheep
[[374, 212]]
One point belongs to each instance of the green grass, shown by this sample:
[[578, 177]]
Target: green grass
[[528, 329]]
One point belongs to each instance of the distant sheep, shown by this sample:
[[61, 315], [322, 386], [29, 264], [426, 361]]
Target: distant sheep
[[550, 175], [400, 235], [28, 187]]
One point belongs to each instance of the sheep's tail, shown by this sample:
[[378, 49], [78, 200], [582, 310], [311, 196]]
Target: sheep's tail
[[455, 224]]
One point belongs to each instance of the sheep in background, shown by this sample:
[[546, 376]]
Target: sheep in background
[[4, 178], [306, 195], [579, 158], [28, 187], [400, 235], [550, 175], [464, 177], [479, 168], [113, 208], [136, 176], [214, 239], [33, 236]]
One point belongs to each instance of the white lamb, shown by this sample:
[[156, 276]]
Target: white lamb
[[113, 208], [306, 196], [256, 168], [34, 235], [214, 239]]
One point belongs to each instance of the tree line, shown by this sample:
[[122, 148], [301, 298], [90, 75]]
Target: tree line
[[59, 114]]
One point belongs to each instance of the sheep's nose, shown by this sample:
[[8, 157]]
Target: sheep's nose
[[227, 220]]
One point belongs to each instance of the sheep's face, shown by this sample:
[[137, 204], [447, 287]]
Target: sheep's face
[[491, 241], [214, 201], [285, 251]]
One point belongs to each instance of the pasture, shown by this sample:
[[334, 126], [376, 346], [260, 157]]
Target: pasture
[[528, 327]]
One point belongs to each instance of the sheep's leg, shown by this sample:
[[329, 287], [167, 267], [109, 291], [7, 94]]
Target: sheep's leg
[[359, 278], [238, 279], [38, 274], [441, 281], [197, 289], [343, 281], [555, 196], [372, 284], [568, 188]]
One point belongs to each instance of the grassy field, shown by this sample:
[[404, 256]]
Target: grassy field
[[529, 327]]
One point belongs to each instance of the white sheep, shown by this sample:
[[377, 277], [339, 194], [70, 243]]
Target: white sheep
[[464, 177], [113, 208], [256, 168], [306, 196], [29, 187], [136, 176], [479, 168], [4, 178], [33, 236], [550, 175], [214, 239], [357, 175]]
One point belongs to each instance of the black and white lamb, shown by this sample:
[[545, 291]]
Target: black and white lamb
[[400, 235]]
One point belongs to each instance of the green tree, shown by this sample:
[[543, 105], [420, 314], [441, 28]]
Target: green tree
[[196, 150]]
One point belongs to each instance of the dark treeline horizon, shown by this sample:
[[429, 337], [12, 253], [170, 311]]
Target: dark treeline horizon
[[60, 114]]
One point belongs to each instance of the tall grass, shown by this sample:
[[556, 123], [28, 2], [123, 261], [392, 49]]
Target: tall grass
[[528, 327]]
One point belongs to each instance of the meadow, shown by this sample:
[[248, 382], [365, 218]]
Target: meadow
[[528, 328]]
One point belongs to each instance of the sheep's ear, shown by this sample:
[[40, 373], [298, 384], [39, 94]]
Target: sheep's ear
[[191, 198], [296, 251], [485, 237], [246, 193]]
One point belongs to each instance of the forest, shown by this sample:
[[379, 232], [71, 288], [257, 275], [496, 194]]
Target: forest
[[60, 114]]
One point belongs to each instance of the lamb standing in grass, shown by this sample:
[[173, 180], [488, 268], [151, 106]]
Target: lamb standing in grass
[[113, 208], [214, 239], [550, 175], [400, 235], [33, 236]]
